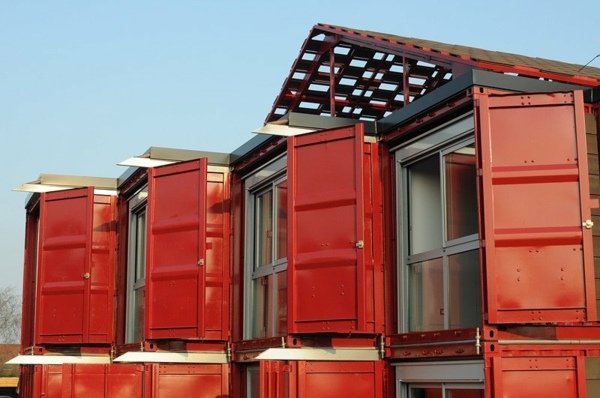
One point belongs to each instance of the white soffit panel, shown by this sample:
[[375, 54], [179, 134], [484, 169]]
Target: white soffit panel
[[57, 359], [283, 130], [173, 357], [144, 162], [320, 354]]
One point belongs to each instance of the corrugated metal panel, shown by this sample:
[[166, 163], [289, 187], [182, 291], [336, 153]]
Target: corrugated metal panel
[[330, 257], [535, 199], [65, 251], [176, 251]]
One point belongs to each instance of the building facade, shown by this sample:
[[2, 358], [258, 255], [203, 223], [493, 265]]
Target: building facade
[[414, 220]]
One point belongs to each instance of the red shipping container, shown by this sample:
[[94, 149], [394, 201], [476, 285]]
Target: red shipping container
[[81, 380], [321, 379], [189, 380], [529, 370]]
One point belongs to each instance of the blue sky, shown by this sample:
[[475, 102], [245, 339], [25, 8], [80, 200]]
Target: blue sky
[[86, 84]]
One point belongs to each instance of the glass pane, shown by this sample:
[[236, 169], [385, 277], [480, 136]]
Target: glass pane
[[281, 310], [262, 315], [140, 245], [464, 393], [461, 193], [282, 220], [137, 327], [424, 205], [425, 392], [252, 382], [264, 228], [464, 290], [426, 296]]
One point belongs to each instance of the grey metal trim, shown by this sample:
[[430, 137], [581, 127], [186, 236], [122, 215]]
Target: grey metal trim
[[472, 78], [440, 372], [170, 155], [249, 146], [305, 120]]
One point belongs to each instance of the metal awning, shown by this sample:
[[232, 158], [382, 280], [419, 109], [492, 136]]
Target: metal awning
[[160, 156], [59, 182], [174, 357], [320, 354], [296, 123], [57, 359]]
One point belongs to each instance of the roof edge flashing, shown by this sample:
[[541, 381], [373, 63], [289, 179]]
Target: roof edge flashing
[[453, 88]]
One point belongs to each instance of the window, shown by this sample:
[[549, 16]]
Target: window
[[445, 390], [136, 267], [439, 250], [266, 252], [452, 379]]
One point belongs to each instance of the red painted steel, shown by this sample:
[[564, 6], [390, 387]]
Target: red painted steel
[[176, 251], [82, 380], [321, 379], [75, 268], [188, 252], [331, 261], [102, 271], [217, 304], [190, 380], [535, 194], [102, 381], [30, 274]]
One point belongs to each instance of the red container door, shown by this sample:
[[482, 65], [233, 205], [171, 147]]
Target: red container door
[[535, 192], [326, 243], [176, 250], [102, 381], [102, 270], [189, 380], [65, 250], [340, 379]]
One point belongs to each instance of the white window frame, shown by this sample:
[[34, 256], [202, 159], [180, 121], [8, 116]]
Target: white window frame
[[441, 140], [260, 181], [137, 205]]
